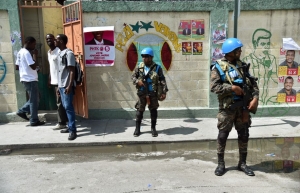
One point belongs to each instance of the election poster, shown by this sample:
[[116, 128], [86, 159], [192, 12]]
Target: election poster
[[288, 72], [99, 46]]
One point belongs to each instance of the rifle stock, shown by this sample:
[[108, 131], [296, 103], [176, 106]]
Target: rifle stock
[[246, 98], [147, 91]]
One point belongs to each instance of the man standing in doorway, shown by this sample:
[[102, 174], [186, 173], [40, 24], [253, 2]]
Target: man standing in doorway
[[66, 87], [26, 64], [53, 80], [148, 78]]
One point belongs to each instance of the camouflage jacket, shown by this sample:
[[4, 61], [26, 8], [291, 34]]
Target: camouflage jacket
[[223, 87], [158, 79]]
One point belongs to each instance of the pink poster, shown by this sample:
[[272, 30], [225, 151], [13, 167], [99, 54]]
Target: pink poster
[[99, 46]]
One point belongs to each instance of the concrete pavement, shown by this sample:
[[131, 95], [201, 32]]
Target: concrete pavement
[[15, 135]]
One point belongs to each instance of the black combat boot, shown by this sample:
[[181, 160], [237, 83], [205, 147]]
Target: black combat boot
[[137, 131], [153, 113], [220, 170], [242, 165], [138, 121], [153, 129]]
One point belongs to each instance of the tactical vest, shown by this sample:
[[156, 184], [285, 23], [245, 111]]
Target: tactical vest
[[152, 79], [229, 73]]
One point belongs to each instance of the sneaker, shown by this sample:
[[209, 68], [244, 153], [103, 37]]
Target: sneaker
[[23, 116], [58, 126], [37, 123], [72, 136]]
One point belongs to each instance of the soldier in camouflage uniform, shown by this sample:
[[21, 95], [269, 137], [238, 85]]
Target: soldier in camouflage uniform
[[151, 87], [226, 81]]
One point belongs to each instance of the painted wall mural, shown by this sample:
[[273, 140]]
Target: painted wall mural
[[162, 44], [2, 69], [264, 67]]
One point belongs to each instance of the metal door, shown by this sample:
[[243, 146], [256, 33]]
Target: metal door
[[72, 24]]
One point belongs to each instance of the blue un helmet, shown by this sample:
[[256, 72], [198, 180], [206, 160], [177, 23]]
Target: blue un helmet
[[231, 44], [147, 51]]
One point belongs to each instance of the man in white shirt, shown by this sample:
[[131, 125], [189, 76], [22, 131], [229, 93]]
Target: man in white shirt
[[26, 64], [53, 53]]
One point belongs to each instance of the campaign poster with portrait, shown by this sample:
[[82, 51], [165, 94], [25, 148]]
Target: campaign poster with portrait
[[288, 89], [219, 34], [198, 28], [288, 72], [184, 29], [186, 48], [289, 62], [216, 52], [99, 46], [197, 48]]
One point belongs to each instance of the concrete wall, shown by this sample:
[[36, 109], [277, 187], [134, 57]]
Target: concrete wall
[[110, 91], [187, 77], [12, 94], [278, 24], [8, 101]]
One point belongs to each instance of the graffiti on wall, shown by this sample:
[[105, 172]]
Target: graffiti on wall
[[16, 41], [264, 67], [159, 43], [14, 37], [2, 69]]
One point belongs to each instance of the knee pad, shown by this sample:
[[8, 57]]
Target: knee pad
[[243, 135], [222, 137]]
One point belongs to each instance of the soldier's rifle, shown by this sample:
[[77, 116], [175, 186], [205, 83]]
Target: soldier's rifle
[[246, 97], [145, 82]]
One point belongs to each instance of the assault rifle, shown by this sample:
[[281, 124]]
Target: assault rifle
[[246, 97], [145, 77]]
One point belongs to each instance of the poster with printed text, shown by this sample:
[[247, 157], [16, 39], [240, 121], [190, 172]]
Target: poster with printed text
[[99, 46], [288, 89], [219, 34], [197, 48], [216, 52], [186, 48], [198, 29], [184, 29], [289, 63]]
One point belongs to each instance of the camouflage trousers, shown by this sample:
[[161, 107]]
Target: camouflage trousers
[[226, 119], [142, 102]]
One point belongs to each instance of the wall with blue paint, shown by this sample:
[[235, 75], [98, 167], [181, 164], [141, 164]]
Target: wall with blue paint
[[7, 79]]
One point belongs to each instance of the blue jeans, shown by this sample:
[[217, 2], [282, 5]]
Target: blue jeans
[[32, 105], [67, 101]]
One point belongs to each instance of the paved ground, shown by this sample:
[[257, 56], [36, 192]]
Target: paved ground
[[101, 132], [148, 166]]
